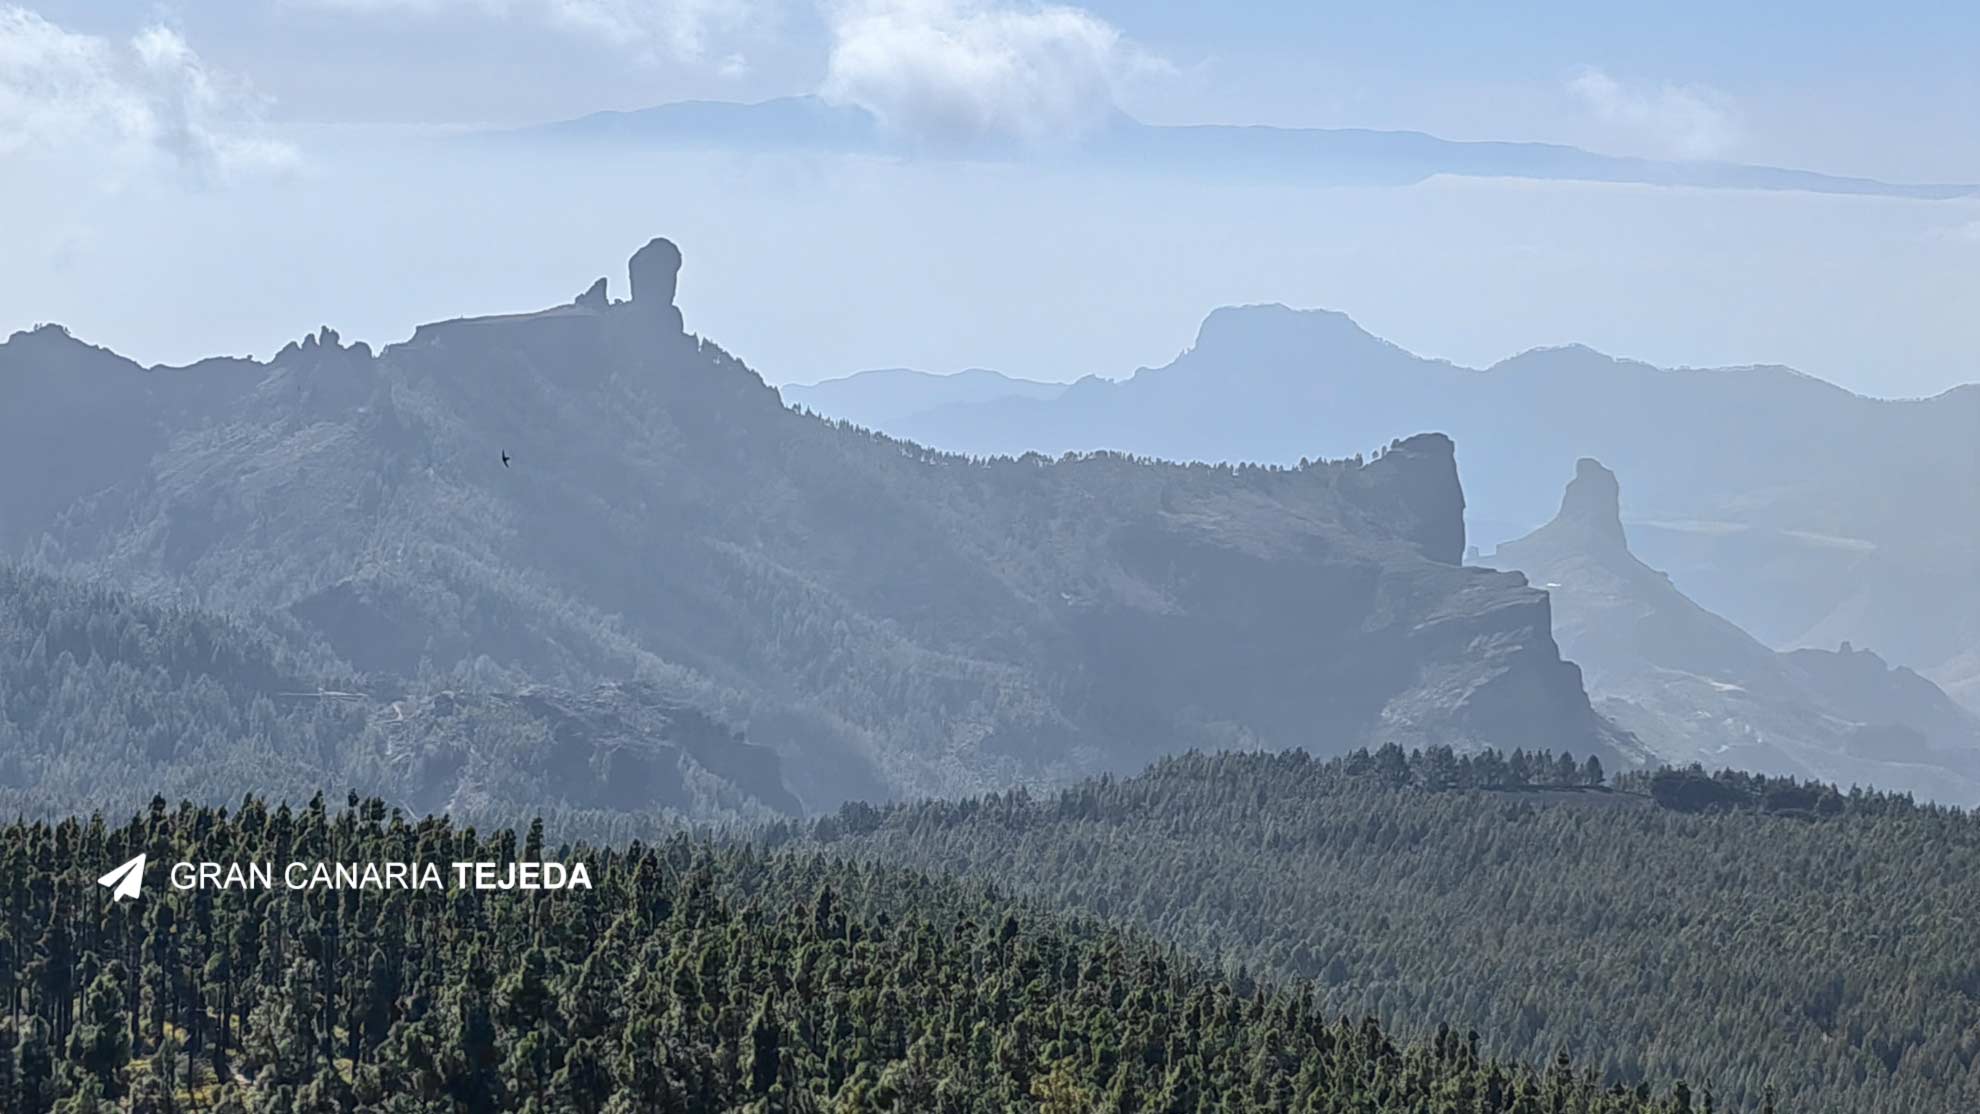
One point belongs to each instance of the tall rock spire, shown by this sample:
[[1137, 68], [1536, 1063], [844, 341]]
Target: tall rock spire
[[656, 272], [1593, 502]]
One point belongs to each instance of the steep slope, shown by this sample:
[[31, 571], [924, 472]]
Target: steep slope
[[891, 619], [96, 420], [1696, 688], [106, 701], [1806, 514], [1960, 677]]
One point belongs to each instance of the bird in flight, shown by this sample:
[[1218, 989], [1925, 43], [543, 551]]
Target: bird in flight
[[505, 458]]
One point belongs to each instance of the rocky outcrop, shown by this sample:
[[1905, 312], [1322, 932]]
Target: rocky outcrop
[[1696, 688], [616, 747], [325, 340], [1592, 506], [1413, 487], [655, 271]]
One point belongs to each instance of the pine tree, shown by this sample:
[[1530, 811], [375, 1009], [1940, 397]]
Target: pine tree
[[34, 1070], [764, 1064], [100, 1044], [7, 1069]]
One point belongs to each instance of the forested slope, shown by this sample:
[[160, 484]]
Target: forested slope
[[106, 700], [1735, 931], [689, 979]]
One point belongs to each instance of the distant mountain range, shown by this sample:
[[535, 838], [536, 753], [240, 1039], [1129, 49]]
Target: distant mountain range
[[884, 397], [1695, 688], [1807, 515], [588, 495], [1312, 156]]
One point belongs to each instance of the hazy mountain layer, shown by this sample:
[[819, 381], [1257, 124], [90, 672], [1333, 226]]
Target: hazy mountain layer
[[1806, 514], [883, 397], [1308, 156], [1695, 688], [889, 618]]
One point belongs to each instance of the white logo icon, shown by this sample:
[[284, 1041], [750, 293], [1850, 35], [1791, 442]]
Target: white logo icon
[[124, 880]]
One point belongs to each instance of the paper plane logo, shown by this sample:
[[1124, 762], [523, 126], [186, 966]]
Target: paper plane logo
[[125, 880]]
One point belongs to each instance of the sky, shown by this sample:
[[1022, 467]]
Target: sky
[[219, 177]]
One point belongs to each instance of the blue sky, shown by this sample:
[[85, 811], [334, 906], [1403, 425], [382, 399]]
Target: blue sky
[[221, 176]]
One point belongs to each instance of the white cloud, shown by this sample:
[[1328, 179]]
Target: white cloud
[[681, 28], [1689, 121], [652, 29], [956, 71], [138, 100]]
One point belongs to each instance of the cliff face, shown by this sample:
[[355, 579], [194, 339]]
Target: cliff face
[[1412, 488], [889, 618], [1806, 514], [1696, 688]]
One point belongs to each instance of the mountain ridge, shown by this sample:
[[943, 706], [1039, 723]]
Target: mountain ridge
[[889, 618], [1848, 509]]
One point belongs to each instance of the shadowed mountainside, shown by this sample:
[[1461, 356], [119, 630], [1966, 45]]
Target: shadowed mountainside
[[888, 618]]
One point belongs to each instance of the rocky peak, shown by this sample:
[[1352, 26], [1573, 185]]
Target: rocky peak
[[49, 342], [1275, 332], [655, 271], [1413, 487], [1593, 502], [323, 344]]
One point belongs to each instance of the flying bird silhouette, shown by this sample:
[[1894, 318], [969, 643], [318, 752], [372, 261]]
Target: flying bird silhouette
[[505, 458]]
